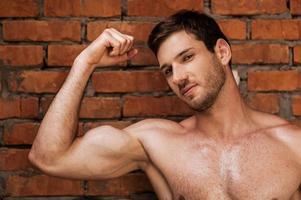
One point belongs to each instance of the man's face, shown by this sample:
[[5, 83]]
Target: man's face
[[194, 74]]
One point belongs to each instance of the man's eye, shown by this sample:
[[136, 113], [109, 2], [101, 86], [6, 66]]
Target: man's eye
[[167, 71], [188, 57]]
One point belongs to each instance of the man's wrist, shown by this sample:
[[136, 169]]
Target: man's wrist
[[82, 64]]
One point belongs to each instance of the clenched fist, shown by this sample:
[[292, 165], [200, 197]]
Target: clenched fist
[[110, 48]]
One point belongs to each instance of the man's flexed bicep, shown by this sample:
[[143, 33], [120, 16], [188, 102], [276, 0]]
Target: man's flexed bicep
[[102, 153]]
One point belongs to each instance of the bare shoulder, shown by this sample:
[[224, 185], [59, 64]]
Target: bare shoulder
[[287, 132], [149, 126], [280, 129], [149, 131], [289, 135]]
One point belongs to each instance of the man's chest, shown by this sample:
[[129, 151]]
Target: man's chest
[[257, 168]]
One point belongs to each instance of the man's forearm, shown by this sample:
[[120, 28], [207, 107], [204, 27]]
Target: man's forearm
[[57, 129]]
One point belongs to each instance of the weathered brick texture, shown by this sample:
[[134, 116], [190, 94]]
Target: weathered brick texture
[[63, 55], [154, 106], [276, 29], [248, 7], [41, 185], [273, 80], [19, 161], [161, 8], [139, 30], [41, 30], [132, 183], [39, 40], [19, 8], [21, 55], [297, 54], [265, 102], [36, 81], [129, 81], [233, 28], [296, 105], [89, 8], [295, 7], [260, 53], [20, 133], [19, 107]]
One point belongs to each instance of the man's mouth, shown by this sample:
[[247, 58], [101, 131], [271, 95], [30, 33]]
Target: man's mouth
[[185, 91]]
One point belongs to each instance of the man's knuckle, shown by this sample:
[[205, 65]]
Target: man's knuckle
[[123, 40], [107, 30]]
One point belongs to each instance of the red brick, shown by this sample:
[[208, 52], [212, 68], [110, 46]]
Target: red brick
[[101, 8], [26, 107], [41, 186], [29, 107], [19, 8], [63, 55], [273, 80], [297, 54], [36, 81], [295, 6], [140, 30], [296, 105], [248, 7], [264, 102], [125, 185], [260, 53], [100, 107], [92, 107], [129, 81], [144, 57], [276, 29], [154, 106], [20, 133], [33, 30], [14, 159], [161, 8], [9, 108], [234, 29], [90, 8], [20, 55], [60, 8]]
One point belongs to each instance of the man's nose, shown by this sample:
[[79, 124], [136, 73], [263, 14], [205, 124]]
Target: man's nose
[[179, 76]]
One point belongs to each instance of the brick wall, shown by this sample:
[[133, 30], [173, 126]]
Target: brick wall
[[40, 38]]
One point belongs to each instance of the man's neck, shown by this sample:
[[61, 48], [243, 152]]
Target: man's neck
[[229, 117]]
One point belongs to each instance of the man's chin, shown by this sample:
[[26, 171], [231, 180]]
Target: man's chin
[[199, 105]]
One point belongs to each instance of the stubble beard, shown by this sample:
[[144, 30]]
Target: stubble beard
[[214, 80]]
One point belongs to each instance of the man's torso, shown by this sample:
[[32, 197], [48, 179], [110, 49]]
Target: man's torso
[[256, 166]]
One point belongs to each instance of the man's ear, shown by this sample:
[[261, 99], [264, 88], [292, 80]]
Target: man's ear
[[223, 51]]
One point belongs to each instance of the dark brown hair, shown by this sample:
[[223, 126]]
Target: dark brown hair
[[202, 26]]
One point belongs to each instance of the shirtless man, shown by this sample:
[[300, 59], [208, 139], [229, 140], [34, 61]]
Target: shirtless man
[[226, 150]]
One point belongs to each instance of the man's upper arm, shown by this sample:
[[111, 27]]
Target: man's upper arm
[[102, 153]]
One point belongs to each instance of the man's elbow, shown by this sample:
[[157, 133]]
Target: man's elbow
[[37, 161], [33, 159]]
